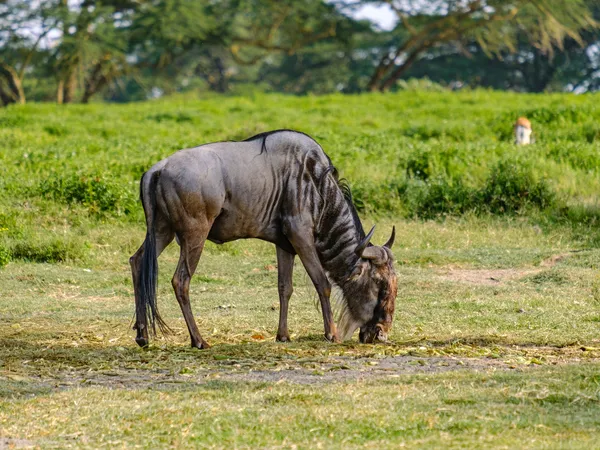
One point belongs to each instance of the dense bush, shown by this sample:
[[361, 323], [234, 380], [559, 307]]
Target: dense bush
[[440, 197], [99, 194], [55, 250], [4, 256], [420, 85], [413, 153], [418, 165], [509, 189]]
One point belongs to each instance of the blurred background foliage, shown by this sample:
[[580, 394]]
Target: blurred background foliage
[[126, 50]]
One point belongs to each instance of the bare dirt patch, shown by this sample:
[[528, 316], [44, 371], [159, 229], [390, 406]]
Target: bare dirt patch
[[486, 277], [492, 277], [338, 369], [187, 372], [349, 370], [10, 443]]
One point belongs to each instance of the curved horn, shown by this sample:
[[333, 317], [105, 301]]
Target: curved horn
[[376, 254], [390, 241], [363, 244]]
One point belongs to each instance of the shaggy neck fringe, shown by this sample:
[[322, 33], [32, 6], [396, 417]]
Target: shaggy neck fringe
[[339, 266]]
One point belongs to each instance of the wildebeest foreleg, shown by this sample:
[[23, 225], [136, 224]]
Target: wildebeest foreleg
[[285, 268], [191, 249], [304, 245]]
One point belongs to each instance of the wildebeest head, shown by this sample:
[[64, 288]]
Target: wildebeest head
[[374, 288]]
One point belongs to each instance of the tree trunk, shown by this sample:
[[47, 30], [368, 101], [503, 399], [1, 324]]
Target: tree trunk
[[87, 94], [94, 82], [397, 73], [60, 92], [541, 73], [19, 90], [5, 97], [222, 84], [13, 87], [378, 74], [92, 88], [215, 74], [69, 86]]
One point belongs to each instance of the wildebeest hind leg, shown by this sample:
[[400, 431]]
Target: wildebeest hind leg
[[285, 268], [191, 249], [164, 236]]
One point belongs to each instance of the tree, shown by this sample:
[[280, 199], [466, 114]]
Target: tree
[[574, 66], [93, 45], [495, 25], [127, 49], [265, 26], [22, 28], [329, 65], [217, 40], [173, 39]]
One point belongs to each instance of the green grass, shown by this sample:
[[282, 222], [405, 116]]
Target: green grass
[[533, 410], [495, 342]]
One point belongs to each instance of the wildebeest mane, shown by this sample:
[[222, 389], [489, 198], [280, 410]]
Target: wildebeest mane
[[341, 182], [347, 192], [344, 186], [266, 134]]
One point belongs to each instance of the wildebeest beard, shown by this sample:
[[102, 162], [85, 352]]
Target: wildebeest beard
[[367, 288]]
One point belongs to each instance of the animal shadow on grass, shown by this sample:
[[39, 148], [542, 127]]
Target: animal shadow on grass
[[35, 355], [35, 347]]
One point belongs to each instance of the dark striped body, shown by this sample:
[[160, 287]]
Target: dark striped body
[[253, 188], [279, 187]]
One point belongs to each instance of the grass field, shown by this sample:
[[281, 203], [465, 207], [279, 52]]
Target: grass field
[[496, 339]]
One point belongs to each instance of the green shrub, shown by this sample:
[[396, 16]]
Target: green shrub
[[418, 165], [56, 130], [168, 117], [592, 134], [370, 197], [423, 132], [576, 155], [4, 256], [46, 252], [440, 198], [420, 85], [511, 187], [563, 114], [97, 193], [9, 226], [413, 153]]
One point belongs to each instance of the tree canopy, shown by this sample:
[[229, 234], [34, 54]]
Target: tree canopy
[[123, 50]]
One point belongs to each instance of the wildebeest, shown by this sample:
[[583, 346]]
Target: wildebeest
[[280, 187]]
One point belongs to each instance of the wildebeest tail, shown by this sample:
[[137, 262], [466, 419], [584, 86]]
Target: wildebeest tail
[[148, 275]]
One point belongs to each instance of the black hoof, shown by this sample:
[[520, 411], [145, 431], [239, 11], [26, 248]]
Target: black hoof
[[201, 345], [283, 339], [332, 338], [142, 342]]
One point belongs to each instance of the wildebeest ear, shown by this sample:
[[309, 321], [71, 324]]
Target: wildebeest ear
[[376, 254]]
